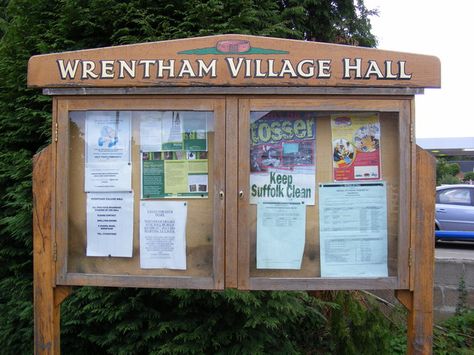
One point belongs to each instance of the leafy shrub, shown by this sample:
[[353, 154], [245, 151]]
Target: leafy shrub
[[469, 176]]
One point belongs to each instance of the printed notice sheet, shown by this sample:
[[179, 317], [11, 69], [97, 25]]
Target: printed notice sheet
[[356, 146], [150, 131], [163, 235], [107, 150], [353, 229], [174, 175], [282, 157], [110, 224], [280, 235]]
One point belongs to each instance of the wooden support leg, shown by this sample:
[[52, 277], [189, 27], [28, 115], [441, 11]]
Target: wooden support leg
[[47, 298], [419, 301]]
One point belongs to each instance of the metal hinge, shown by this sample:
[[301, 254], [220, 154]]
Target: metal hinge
[[56, 131], [410, 257], [412, 133], [55, 251]]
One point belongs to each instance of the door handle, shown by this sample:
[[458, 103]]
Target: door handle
[[241, 194]]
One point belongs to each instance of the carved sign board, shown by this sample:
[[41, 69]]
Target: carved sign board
[[233, 60]]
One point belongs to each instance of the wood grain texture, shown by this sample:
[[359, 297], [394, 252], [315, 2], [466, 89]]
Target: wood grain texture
[[47, 298], [424, 71], [45, 334], [243, 203], [419, 298], [233, 90], [406, 161], [231, 192], [420, 336]]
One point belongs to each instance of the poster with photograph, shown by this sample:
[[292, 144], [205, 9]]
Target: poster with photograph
[[110, 224], [163, 235], [353, 229], [195, 132], [174, 175], [108, 166], [356, 146], [173, 131], [282, 156]]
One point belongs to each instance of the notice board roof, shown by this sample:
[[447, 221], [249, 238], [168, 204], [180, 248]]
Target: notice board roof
[[234, 60]]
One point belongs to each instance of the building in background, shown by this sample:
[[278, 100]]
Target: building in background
[[458, 150]]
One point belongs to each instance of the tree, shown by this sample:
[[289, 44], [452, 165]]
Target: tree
[[138, 321]]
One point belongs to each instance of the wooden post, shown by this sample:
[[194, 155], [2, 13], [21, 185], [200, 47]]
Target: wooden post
[[47, 298], [419, 300]]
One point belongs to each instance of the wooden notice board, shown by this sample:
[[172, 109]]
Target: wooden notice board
[[199, 125]]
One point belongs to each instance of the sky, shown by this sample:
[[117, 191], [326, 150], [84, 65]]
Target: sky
[[444, 29]]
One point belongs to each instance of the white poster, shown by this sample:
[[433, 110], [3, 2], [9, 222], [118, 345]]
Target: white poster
[[110, 224], [280, 235], [282, 186], [163, 235], [150, 131], [107, 149], [353, 229]]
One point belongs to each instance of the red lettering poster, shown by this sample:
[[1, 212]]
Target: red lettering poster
[[356, 146]]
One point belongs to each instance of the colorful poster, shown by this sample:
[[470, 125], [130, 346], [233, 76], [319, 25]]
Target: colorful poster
[[110, 224], [195, 133], [163, 235], [356, 146], [280, 235], [353, 229], [282, 156], [173, 131], [107, 151], [174, 175]]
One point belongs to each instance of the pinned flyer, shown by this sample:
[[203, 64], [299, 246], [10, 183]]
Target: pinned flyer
[[356, 146], [108, 166], [110, 224], [163, 235], [353, 229], [282, 157], [280, 235]]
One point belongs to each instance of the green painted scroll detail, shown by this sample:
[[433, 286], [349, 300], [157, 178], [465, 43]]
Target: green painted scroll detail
[[213, 50]]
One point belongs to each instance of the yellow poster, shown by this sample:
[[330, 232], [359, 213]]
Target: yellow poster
[[356, 146]]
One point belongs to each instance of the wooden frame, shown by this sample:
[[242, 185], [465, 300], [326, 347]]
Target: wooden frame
[[400, 106], [235, 249], [61, 156]]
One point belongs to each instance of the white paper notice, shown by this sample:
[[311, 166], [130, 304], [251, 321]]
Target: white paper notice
[[280, 235], [110, 224], [353, 229], [150, 131], [163, 235], [108, 166]]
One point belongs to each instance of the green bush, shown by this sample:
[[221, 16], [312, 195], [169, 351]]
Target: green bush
[[469, 176], [446, 172], [448, 180]]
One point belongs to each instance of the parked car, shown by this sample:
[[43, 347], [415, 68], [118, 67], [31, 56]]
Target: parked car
[[454, 212]]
